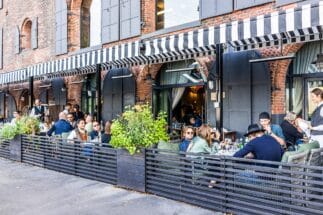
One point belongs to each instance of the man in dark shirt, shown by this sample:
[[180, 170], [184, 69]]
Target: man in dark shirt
[[293, 135], [60, 126], [262, 147]]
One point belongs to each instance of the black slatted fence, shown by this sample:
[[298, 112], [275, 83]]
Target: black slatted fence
[[4, 148], [232, 185], [88, 160]]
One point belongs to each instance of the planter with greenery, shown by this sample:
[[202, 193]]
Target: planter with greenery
[[135, 130], [12, 132]]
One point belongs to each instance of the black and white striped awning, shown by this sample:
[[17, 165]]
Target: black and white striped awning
[[300, 24], [180, 46], [117, 56]]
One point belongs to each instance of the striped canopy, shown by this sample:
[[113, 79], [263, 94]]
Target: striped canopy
[[301, 24]]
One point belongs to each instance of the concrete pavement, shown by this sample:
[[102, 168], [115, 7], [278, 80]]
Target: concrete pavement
[[29, 190]]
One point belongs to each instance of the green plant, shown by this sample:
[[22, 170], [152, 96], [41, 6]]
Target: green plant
[[28, 125], [25, 125], [136, 128], [9, 131]]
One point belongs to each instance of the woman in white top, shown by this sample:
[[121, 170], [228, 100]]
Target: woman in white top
[[316, 126]]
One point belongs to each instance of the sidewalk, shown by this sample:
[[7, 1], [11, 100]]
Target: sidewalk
[[28, 190]]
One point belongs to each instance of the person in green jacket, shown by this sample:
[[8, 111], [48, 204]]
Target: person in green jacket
[[202, 143]]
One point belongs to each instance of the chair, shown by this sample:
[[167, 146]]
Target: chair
[[299, 158], [302, 148], [314, 159], [65, 135]]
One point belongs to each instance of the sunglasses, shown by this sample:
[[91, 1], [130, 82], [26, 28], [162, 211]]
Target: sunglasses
[[189, 132], [95, 125]]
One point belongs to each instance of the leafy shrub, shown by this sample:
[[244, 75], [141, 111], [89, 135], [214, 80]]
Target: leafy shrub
[[137, 129], [9, 131], [26, 125]]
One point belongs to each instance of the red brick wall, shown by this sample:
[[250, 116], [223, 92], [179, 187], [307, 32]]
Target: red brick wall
[[15, 12], [279, 71]]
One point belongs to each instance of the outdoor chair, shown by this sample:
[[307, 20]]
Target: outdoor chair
[[314, 159], [299, 158]]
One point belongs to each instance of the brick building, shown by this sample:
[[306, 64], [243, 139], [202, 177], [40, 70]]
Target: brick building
[[164, 52]]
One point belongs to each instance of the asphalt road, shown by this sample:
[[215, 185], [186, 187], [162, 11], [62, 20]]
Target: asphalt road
[[26, 189]]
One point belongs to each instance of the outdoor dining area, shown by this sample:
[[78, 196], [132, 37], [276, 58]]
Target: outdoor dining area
[[216, 169], [217, 181]]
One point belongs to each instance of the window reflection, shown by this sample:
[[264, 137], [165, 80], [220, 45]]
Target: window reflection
[[172, 13]]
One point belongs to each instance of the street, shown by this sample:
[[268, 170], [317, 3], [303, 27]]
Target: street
[[26, 189]]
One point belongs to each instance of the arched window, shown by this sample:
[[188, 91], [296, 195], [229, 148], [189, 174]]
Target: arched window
[[25, 37], [90, 23]]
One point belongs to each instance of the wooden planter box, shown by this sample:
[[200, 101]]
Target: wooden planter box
[[15, 148], [131, 170]]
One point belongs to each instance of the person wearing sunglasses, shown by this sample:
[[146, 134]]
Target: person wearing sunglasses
[[188, 134], [96, 133]]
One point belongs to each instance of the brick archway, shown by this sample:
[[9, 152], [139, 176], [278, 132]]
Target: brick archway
[[279, 71]]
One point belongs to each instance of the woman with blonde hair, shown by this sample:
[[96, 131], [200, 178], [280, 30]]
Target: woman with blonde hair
[[202, 142]]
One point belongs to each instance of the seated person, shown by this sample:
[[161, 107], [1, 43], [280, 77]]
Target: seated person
[[61, 126], [215, 138], [96, 133], [188, 134], [262, 147], [271, 129], [202, 142], [17, 117], [292, 133], [195, 121], [106, 136]]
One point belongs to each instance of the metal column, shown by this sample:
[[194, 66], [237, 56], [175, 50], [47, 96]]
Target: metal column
[[99, 93], [219, 77], [31, 92]]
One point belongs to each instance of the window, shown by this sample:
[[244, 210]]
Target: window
[[90, 23], [283, 2], [95, 25], [25, 37], [241, 4], [172, 13]]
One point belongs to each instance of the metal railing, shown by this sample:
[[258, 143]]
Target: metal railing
[[232, 185], [88, 160], [4, 148]]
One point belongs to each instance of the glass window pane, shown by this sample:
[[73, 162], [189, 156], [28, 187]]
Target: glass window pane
[[172, 13], [95, 34]]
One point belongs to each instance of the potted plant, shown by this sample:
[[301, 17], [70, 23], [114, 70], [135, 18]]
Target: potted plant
[[135, 130], [13, 132]]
